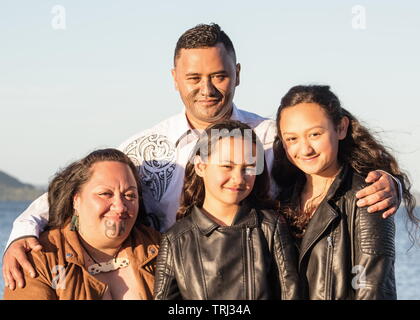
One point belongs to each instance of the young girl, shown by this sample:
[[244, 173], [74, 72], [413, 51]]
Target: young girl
[[321, 156], [226, 245]]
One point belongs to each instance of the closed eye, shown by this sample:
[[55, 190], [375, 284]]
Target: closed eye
[[105, 194]]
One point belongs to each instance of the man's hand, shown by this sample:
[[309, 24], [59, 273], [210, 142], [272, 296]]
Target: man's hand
[[15, 260], [380, 195]]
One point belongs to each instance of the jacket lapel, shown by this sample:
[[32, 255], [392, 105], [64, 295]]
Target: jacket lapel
[[321, 220], [323, 217]]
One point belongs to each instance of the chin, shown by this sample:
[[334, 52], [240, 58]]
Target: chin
[[310, 170]]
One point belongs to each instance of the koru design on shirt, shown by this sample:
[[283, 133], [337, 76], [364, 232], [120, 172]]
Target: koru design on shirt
[[154, 155]]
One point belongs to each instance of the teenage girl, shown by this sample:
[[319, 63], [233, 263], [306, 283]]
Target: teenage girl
[[228, 242], [322, 154]]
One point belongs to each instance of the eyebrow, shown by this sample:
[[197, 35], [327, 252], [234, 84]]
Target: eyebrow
[[231, 162], [109, 187], [314, 127], [211, 74]]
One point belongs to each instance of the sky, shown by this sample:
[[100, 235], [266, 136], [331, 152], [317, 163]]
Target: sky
[[89, 74]]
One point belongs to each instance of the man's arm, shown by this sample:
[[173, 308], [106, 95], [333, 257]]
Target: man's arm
[[24, 238]]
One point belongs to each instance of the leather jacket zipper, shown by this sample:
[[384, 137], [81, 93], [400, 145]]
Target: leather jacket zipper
[[250, 263], [328, 268]]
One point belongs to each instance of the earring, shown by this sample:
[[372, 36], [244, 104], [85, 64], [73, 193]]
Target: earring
[[74, 224]]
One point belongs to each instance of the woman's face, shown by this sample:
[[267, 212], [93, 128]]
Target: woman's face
[[229, 174], [310, 139], [107, 204]]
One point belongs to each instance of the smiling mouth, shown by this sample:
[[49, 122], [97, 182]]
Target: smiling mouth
[[235, 189], [309, 159], [208, 102]]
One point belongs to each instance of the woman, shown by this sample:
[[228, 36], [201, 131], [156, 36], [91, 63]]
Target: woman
[[322, 154], [95, 247]]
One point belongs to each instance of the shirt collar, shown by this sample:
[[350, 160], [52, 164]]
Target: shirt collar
[[236, 115], [185, 131]]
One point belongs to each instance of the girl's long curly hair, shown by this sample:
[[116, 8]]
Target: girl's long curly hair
[[359, 149], [193, 191]]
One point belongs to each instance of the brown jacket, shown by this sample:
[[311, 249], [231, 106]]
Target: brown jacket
[[62, 256]]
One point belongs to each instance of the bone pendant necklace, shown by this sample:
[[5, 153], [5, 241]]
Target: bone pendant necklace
[[111, 265]]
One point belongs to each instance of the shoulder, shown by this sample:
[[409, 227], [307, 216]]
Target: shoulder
[[265, 128], [147, 235], [374, 234], [51, 240], [180, 228], [272, 218], [354, 182], [51, 253], [163, 129]]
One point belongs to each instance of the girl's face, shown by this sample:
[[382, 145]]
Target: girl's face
[[107, 204], [229, 173], [310, 139]]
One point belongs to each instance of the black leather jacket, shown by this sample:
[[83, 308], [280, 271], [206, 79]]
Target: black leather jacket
[[346, 252], [255, 258]]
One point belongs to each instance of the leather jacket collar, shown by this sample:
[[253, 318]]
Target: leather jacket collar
[[245, 217], [324, 215]]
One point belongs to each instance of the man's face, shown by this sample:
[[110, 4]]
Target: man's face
[[206, 79]]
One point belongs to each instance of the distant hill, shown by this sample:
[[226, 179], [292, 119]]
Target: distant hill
[[11, 189]]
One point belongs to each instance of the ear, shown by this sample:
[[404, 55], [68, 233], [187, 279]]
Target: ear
[[76, 202], [199, 166], [238, 71], [343, 127], [173, 72]]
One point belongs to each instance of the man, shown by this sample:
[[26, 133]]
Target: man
[[206, 74]]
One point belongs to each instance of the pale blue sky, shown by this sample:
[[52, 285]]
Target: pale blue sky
[[106, 76]]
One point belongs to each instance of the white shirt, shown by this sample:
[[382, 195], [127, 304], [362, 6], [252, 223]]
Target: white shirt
[[161, 154]]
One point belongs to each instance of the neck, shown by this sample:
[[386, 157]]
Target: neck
[[223, 214], [100, 253], [320, 183]]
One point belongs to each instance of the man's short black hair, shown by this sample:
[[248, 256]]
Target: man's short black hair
[[204, 36]]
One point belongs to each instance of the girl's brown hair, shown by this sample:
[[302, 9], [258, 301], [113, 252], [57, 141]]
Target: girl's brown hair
[[69, 181], [359, 149], [193, 191]]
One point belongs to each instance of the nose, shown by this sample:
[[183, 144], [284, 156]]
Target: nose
[[118, 204], [238, 176], [306, 148], [207, 88]]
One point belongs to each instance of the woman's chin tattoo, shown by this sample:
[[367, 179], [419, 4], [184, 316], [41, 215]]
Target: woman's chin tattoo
[[114, 229]]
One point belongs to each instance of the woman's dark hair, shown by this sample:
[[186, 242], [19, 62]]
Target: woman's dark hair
[[68, 182], [359, 149], [193, 191]]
